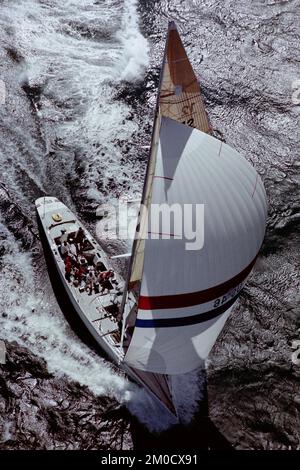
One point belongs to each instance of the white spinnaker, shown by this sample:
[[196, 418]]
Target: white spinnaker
[[185, 294]]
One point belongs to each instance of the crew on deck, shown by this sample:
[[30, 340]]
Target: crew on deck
[[86, 272]]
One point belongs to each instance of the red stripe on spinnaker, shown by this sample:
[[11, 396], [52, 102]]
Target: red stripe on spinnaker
[[193, 298]]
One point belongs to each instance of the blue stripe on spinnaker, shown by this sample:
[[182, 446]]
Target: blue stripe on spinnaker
[[184, 321]]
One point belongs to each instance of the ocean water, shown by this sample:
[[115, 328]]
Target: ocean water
[[81, 79], [70, 58]]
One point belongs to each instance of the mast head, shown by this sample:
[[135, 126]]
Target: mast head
[[172, 25]]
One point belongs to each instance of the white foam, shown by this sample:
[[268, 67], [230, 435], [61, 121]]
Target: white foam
[[135, 54], [150, 412], [79, 78], [187, 391], [78, 114], [6, 431], [35, 321]]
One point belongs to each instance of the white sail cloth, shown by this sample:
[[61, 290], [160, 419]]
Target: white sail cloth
[[186, 295]]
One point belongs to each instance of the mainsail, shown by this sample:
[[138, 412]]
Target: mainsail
[[186, 294], [179, 98]]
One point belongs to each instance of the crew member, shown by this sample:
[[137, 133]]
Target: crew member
[[104, 280], [79, 238], [68, 269], [65, 249], [64, 236], [90, 279], [79, 273]]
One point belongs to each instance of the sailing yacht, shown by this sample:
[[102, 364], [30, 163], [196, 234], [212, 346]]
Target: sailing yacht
[[165, 318]]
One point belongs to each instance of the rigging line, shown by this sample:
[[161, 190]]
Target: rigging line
[[255, 185]]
